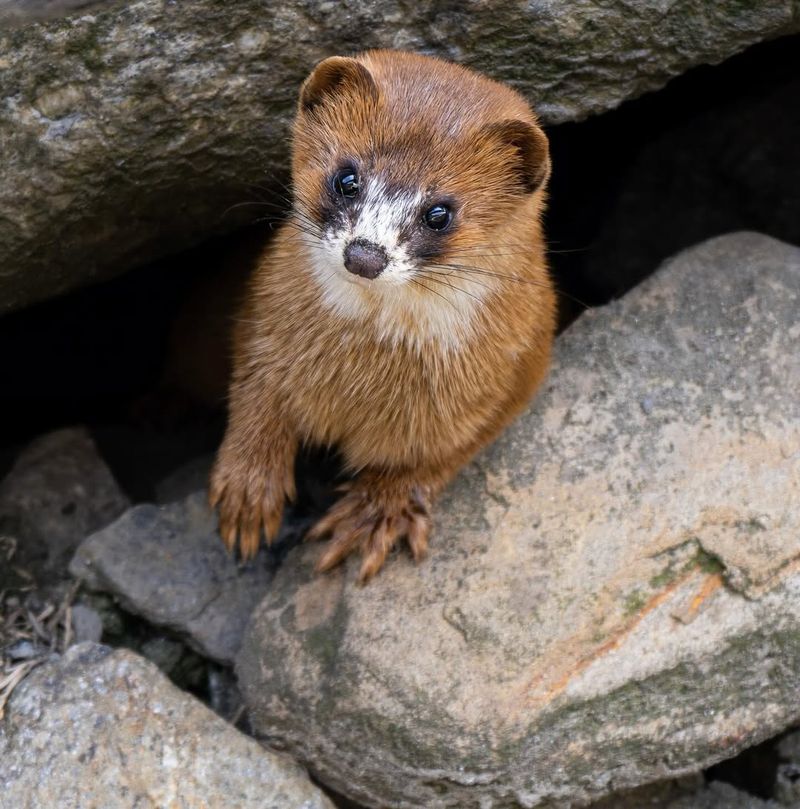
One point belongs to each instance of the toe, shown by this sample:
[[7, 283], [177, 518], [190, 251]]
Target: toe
[[339, 512], [377, 549], [250, 536], [228, 531], [347, 536], [418, 529], [271, 513]]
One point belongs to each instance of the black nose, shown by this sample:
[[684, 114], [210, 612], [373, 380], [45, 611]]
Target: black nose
[[365, 259]]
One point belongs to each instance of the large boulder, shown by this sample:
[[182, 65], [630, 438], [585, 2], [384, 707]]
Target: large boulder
[[99, 727], [133, 130], [612, 595]]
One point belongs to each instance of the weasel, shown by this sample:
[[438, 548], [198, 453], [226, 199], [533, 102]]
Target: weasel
[[403, 311]]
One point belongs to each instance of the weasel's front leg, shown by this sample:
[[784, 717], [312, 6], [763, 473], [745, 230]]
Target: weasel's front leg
[[378, 509], [254, 471]]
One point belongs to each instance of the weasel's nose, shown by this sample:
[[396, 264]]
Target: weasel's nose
[[365, 258]]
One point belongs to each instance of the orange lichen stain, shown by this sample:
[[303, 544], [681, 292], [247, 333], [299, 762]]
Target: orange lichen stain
[[711, 584], [614, 642]]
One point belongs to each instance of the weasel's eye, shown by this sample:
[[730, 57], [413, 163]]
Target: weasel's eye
[[438, 217], [345, 183]]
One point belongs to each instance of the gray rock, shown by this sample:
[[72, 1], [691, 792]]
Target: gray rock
[[100, 727], [164, 652], [131, 132], [58, 491], [18, 12], [611, 597], [787, 778], [86, 624], [169, 565], [658, 795]]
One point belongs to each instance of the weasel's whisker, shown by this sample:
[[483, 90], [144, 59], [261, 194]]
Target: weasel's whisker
[[479, 271], [443, 276], [419, 283], [444, 281]]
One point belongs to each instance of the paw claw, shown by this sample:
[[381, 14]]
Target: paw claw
[[379, 544], [249, 502], [339, 513], [371, 526], [346, 537], [250, 537], [228, 533], [419, 526]]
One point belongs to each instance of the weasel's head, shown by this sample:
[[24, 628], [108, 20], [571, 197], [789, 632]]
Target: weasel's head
[[413, 178]]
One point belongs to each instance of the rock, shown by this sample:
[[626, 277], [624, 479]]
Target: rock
[[86, 624], [100, 727], [612, 596], [21, 650], [654, 796], [169, 565], [58, 491], [17, 12], [787, 779], [133, 132], [163, 652]]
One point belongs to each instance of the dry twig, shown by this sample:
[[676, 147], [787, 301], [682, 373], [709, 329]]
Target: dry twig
[[47, 628]]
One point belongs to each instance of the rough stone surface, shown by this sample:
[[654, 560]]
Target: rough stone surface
[[87, 624], [612, 596], [169, 565], [129, 132], [58, 491], [105, 728], [18, 12]]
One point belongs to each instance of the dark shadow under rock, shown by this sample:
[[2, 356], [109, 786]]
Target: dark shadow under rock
[[717, 150]]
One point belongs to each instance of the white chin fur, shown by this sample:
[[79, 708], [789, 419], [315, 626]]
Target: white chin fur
[[417, 313]]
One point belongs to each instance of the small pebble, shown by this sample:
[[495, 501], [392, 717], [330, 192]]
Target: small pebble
[[21, 650], [86, 624]]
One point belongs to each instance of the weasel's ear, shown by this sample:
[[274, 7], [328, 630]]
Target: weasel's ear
[[527, 149], [335, 76]]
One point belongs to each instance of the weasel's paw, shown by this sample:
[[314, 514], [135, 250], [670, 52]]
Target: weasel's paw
[[248, 500], [370, 523]]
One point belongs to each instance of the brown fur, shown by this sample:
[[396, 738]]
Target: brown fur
[[406, 413]]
